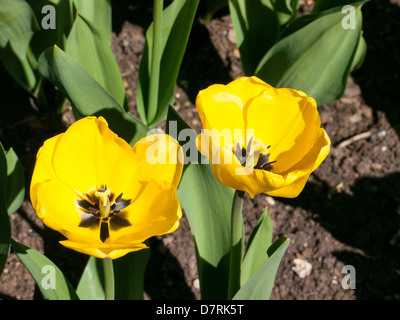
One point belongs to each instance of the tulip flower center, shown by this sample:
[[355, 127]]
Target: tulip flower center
[[255, 155], [102, 210]]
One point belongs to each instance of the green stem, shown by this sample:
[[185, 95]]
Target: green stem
[[236, 253], [109, 285], [155, 61]]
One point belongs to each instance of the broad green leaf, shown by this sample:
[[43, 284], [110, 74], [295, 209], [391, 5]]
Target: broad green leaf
[[177, 20], [259, 242], [50, 280], [19, 69], [259, 286], [15, 191], [285, 10], [323, 5], [17, 25], [129, 273], [64, 19], [360, 54], [5, 228], [207, 205], [129, 277], [87, 96], [256, 27], [317, 58], [99, 13], [91, 284], [92, 50]]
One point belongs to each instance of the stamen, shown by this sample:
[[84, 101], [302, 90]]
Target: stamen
[[104, 202], [93, 210], [104, 212], [118, 198], [90, 198], [255, 155]]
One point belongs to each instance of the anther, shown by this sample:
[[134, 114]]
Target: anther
[[118, 198], [93, 210], [90, 198]]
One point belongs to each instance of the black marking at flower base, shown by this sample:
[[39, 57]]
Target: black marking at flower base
[[263, 162], [104, 233], [94, 218]]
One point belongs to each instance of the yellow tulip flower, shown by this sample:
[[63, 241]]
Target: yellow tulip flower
[[260, 139], [104, 196]]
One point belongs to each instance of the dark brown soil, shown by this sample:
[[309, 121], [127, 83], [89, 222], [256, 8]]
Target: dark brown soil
[[348, 214]]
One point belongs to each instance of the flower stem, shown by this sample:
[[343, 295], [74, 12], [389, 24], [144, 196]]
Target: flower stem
[[236, 244], [155, 61], [108, 278]]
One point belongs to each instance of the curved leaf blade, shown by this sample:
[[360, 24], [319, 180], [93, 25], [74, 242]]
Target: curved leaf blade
[[256, 27], [5, 228], [91, 284], [90, 48], [317, 58], [87, 96], [177, 20], [41, 267], [259, 286], [99, 14], [15, 191], [257, 248], [207, 205]]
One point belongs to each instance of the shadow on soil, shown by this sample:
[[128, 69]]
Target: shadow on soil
[[379, 76], [367, 221]]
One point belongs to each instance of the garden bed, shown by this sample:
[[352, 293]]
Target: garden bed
[[348, 213]]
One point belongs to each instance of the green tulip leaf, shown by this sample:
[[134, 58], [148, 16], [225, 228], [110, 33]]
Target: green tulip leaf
[[15, 191], [50, 280], [256, 27], [99, 13], [177, 20], [87, 96], [259, 286], [207, 205], [129, 273], [63, 15], [360, 54], [5, 228], [91, 284], [324, 5], [256, 254], [17, 26], [92, 50], [315, 58]]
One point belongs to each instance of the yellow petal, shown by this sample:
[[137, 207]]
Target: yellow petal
[[160, 157], [247, 88], [89, 154], [104, 251], [304, 168], [286, 120], [154, 211], [57, 207], [229, 172], [43, 167], [220, 108]]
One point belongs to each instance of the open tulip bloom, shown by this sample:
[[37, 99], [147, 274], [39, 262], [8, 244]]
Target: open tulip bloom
[[104, 196], [260, 139]]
